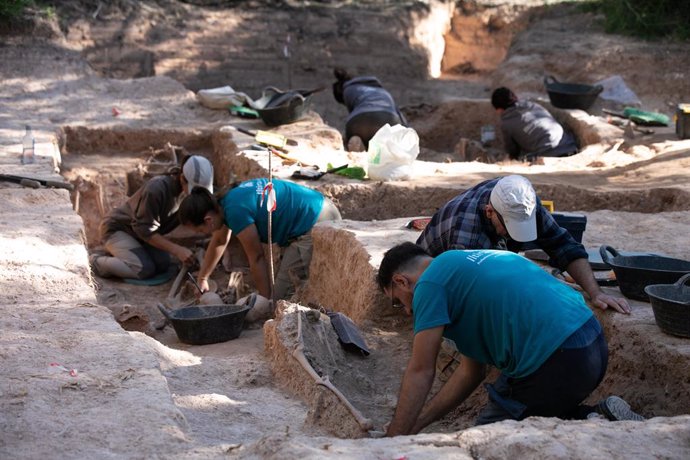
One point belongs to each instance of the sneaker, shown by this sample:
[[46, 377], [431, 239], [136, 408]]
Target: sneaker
[[595, 416], [355, 144], [93, 261], [616, 409]]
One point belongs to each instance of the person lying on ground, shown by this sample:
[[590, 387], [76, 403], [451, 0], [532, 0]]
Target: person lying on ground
[[537, 331], [134, 233], [529, 130], [504, 213], [369, 106], [243, 211]]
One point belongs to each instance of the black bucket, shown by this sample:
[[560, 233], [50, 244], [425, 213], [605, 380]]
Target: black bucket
[[671, 305], [276, 107], [634, 273], [571, 95], [205, 324]]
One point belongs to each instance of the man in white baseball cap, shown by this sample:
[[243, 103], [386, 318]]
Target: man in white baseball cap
[[134, 235], [503, 213], [198, 172], [515, 201]]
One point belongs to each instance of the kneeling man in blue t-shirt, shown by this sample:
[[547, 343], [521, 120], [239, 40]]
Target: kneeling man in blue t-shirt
[[537, 331]]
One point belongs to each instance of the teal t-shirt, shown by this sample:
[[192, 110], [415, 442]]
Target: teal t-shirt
[[297, 209], [498, 307]]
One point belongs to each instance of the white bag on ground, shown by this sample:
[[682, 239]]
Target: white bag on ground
[[392, 152], [221, 98]]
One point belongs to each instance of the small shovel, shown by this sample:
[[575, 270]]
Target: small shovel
[[349, 335]]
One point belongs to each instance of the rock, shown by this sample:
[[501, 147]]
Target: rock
[[210, 298]]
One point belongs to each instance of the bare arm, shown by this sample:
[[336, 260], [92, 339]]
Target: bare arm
[[459, 387], [417, 381], [581, 272], [185, 255], [251, 243], [219, 241]]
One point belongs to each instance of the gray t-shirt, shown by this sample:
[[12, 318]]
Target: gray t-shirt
[[529, 129]]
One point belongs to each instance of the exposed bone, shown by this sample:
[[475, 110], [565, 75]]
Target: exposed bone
[[298, 354], [99, 201], [77, 198]]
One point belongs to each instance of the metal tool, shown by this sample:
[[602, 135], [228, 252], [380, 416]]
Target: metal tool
[[267, 138], [34, 182], [314, 174], [193, 280]]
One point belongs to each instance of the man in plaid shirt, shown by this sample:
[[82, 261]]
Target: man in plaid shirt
[[503, 213]]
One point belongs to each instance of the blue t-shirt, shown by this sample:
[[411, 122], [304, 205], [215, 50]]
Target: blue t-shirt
[[297, 209], [498, 307]]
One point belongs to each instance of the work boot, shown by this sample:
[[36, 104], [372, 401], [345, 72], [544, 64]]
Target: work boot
[[616, 409]]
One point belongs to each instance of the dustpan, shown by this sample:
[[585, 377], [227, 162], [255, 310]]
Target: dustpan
[[642, 117], [348, 333]]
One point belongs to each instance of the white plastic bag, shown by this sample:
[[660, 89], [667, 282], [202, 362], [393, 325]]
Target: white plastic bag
[[221, 98], [392, 152]]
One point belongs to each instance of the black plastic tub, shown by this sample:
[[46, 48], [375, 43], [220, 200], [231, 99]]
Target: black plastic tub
[[571, 95], [205, 324], [276, 107], [575, 224], [634, 273], [671, 305]]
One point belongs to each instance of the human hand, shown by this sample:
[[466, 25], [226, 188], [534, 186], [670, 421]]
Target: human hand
[[185, 255], [203, 285], [605, 301]]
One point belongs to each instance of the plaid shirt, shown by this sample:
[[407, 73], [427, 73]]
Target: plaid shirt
[[462, 224]]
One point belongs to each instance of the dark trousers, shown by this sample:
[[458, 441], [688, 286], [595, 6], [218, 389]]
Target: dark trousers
[[558, 387], [366, 124]]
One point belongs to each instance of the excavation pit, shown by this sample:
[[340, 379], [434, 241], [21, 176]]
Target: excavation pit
[[643, 365], [139, 396]]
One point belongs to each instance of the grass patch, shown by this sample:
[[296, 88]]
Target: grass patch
[[12, 9], [644, 18]]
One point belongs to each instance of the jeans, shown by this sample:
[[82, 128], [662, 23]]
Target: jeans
[[366, 124], [558, 387], [131, 258]]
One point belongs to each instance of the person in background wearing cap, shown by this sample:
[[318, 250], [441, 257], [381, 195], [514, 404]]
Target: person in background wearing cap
[[243, 211], [133, 234], [503, 213], [538, 332], [529, 130]]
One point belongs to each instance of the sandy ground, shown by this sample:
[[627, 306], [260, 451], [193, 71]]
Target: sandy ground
[[76, 384]]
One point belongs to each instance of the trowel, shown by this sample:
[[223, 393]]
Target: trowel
[[313, 173]]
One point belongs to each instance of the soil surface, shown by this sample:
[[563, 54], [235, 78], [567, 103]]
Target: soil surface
[[89, 369]]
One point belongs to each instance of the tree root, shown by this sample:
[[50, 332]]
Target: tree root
[[298, 354]]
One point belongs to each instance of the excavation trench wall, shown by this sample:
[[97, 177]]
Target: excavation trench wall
[[100, 188]]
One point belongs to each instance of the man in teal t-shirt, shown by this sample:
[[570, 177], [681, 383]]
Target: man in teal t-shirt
[[537, 331]]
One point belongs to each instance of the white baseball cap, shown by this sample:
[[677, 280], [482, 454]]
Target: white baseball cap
[[199, 173], [513, 197]]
